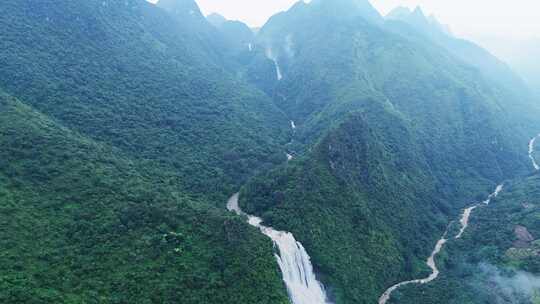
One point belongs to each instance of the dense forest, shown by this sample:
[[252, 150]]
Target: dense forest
[[398, 134], [497, 260], [125, 126]]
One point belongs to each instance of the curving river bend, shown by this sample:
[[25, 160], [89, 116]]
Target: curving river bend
[[464, 221]]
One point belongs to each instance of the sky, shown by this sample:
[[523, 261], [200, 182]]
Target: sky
[[467, 18]]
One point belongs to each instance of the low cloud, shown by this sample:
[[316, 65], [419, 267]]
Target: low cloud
[[506, 286]]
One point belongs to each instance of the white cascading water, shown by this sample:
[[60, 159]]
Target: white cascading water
[[271, 56], [278, 69], [289, 156], [531, 152], [293, 260]]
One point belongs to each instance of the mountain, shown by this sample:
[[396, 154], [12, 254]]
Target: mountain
[[125, 127], [519, 53], [216, 19], [83, 221], [182, 8], [349, 8], [143, 82], [467, 51], [239, 36], [124, 133], [497, 260], [395, 135], [419, 20]]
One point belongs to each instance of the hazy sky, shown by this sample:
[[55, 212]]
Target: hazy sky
[[468, 18]]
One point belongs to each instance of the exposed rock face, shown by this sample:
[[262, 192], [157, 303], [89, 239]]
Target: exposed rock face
[[523, 236]]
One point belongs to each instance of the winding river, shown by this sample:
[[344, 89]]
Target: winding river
[[464, 221], [293, 260]]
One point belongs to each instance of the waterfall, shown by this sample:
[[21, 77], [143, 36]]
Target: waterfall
[[278, 70], [293, 260], [289, 156], [531, 151], [293, 125], [272, 57]]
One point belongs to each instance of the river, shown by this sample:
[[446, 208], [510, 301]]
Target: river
[[464, 221]]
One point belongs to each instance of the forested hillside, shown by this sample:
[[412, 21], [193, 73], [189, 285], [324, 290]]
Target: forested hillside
[[497, 261], [125, 126], [129, 75], [123, 136], [83, 223], [398, 135]]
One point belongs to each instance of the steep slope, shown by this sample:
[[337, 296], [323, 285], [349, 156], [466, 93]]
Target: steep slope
[[487, 64], [216, 19], [497, 259], [355, 202], [129, 75], [396, 135], [520, 53], [238, 36], [83, 223]]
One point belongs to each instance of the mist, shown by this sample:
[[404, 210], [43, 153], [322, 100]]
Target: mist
[[506, 286]]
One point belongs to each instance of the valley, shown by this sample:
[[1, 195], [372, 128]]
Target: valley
[[352, 141]]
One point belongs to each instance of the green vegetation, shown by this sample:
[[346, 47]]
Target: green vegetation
[[124, 128], [142, 85], [480, 267], [120, 145], [83, 223], [397, 135]]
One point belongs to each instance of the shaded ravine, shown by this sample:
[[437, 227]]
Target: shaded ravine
[[293, 260], [438, 247]]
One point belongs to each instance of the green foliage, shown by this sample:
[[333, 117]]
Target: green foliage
[[396, 136], [116, 165], [136, 79], [489, 240], [84, 223], [124, 128]]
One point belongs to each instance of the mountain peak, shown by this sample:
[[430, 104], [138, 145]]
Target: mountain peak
[[361, 8], [420, 21], [181, 7], [216, 19], [419, 12], [399, 13]]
